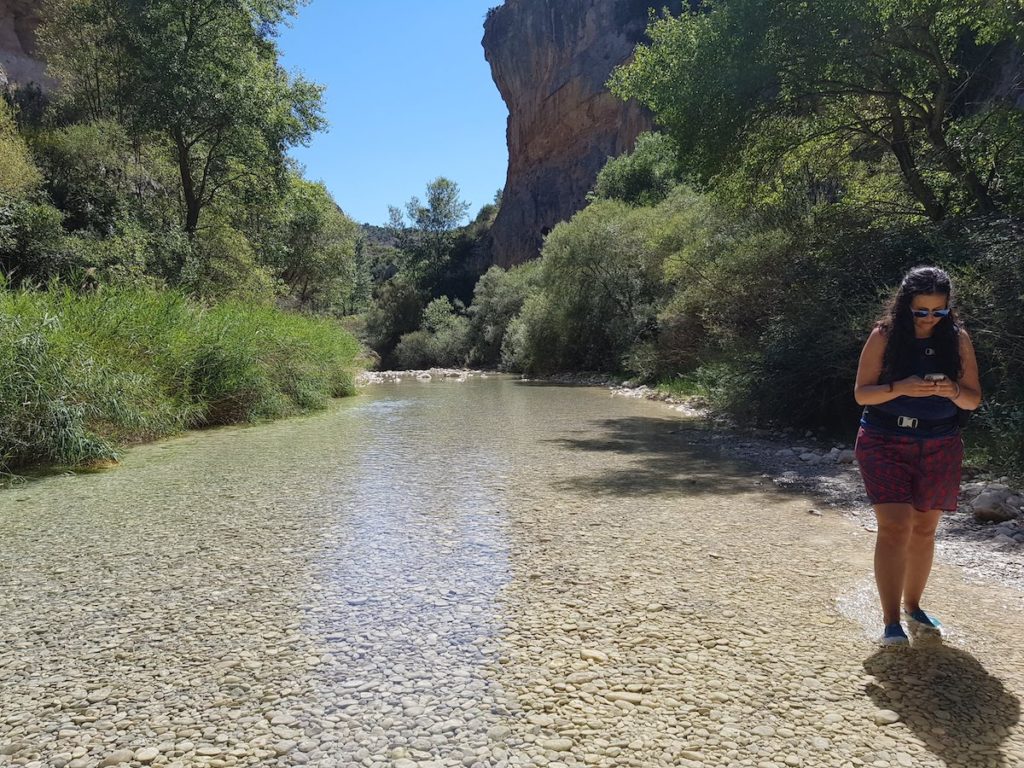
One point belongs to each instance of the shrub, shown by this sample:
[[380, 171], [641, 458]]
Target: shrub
[[87, 172], [32, 244], [644, 176], [990, 284], [601, 278], [19, 176], [415, 351], [81, 375], [497, 299], [443, 340], [222, 264], [396, 310]]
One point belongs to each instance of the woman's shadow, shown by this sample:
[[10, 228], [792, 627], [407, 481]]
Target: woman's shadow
[[948, 699]]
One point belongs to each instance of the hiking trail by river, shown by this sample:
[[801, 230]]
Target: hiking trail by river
[[475, 572]]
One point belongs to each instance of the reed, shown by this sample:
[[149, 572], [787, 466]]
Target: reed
[[83, 375]]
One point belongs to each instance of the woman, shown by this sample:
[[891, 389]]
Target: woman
[[916, 370]]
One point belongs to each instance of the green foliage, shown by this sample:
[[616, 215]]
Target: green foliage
[[876, 77], [88, 173], [32, 247], [396, 310], [123, 258], [202, 75], [991, 293], [534, 338], [427, 258], [600, 285], [497, 298], [19, 177], [427, 237], [80, 375], [223, 265], [317, 254], [644, 176], [442, 341]]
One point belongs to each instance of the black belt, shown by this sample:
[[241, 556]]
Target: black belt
[[877, 418]]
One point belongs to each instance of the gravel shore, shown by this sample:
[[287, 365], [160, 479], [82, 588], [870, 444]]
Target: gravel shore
[[828, 471], [458, 573]]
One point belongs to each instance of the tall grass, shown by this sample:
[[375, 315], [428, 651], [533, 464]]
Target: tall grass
[[82, 375]]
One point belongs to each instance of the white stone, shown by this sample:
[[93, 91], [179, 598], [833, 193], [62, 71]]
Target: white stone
[[886, 717]]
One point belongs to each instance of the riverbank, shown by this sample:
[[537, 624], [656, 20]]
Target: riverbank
[[82, 376], [985, 535], [485, 574]]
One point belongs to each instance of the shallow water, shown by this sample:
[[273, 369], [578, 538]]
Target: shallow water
[[462, 573]]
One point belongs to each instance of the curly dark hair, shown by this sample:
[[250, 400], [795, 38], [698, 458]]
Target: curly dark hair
[[897, 323]]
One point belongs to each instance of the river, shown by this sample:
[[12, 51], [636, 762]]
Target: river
[[478, 573]]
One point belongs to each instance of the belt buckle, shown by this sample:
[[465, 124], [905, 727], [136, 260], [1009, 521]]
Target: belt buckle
[[907, 421]]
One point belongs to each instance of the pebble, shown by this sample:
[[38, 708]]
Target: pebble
[[886, 717], [116, 758]]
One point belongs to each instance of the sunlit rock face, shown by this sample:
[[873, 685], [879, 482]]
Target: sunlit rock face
[[550, 60], [19, 57]]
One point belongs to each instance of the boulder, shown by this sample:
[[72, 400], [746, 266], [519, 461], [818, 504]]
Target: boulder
[[990, 506]]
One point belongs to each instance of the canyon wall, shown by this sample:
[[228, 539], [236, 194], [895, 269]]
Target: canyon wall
[[550, 60], [19, 58]]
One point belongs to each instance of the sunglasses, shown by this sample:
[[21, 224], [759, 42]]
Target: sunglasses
[[925, 312]]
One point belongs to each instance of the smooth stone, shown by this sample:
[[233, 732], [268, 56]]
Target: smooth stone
[[116, 758], [632, 698], [284, 747], [557, 745], [886, 717]]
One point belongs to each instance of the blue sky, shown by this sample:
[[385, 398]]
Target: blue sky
[[409, 98]]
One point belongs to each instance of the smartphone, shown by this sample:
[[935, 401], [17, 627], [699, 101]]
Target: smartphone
[[934, 377]]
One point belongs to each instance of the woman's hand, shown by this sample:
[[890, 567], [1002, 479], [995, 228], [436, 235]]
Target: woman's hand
[[946, 388], [915, 386]]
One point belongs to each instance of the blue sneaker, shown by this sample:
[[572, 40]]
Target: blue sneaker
[[920, 622], [894, 635]]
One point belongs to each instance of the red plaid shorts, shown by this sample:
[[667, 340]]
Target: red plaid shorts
[[897, 469]]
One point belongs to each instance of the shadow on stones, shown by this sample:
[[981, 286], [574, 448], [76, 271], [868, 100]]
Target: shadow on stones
[[670, 457], [948, 699]]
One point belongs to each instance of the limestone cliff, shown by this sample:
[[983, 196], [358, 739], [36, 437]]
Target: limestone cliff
[[550, 60], [19, 58]]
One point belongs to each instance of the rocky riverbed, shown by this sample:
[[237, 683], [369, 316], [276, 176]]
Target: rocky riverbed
[[985, 535], [477, 574]]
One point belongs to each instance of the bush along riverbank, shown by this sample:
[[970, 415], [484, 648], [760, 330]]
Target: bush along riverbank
[[82, 375]]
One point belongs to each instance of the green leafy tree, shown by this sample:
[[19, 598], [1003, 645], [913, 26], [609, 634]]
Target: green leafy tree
[[201, 75], [881, 76], [396, 310], [319, 244], [426, 231], [600, 287], [498, 297], [443, 340]]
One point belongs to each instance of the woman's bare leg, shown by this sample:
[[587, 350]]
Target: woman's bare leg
[[895, 523], [920, 551]]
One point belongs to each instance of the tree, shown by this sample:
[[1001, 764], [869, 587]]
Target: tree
[[319, 244], [886, 75], [201, 74], [427, 238]]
